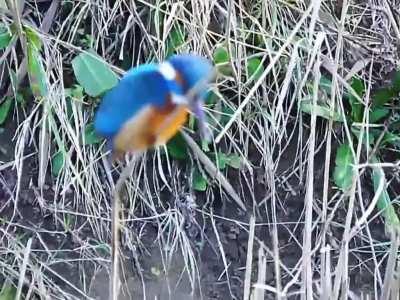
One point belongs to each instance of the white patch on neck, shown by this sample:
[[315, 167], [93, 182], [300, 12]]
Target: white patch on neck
[[179, 99], [167, 70]]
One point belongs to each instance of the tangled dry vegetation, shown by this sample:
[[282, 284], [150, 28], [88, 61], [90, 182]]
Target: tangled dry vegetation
[[298, 133]]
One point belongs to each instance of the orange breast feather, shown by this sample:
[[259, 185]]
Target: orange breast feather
[[150, 127]]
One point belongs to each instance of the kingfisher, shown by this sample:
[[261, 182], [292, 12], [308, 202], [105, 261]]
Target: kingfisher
[[152, 102]]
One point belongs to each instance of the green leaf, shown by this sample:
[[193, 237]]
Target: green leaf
[[221, 59], [5, 36], [384, 203], [343, 172], [396, 82], [5, 107], [75, 92], [356, 106], [211, 98], [221, 55], [175, 40], [391, 138], [90, 137], [254, 68], [36, 73], [93, 74], [227, 113], [199, 182], [8, 292], [234, 161], [220, 159], [57, 163], [377, 114], [383, 96], [325, 84], [33, 38], [322, 111], [177, 147]]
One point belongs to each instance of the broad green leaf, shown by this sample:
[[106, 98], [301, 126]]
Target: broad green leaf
[[384, 203], [90, 137], [57, 163], [175, 40], [211, 98], [221, 59], [234, 161], [5, 36], [396, 81], [356, 106], [254, 68], [75, 92], [322, 111], [221, 55], [199, 182], [93, 74], [377, 114], [177, 147], [227, 113], [325, 84], [205, 145], [220, 159], [343, 172], [383, 96], [36, 73], [5, 107], [33, 38], [8, 292], [391, 138]]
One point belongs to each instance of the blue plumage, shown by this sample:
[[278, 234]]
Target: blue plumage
[[154, 89], [141, 86], [192, 68]]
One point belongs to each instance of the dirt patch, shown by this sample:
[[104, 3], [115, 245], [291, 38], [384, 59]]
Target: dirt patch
[[155, 272]]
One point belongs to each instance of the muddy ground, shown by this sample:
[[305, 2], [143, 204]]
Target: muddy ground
[[31, 220]]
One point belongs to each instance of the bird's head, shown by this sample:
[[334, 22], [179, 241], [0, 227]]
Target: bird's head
[[193, 73]]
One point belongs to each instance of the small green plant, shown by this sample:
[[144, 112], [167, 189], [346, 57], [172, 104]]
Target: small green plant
[[343, 172], [8, 292], [93, 74], [383, 104], [199, 181], [221, 60], [5, 108], [58, 162], [176, 39], [254, 68], [36, 73], [5, 36]]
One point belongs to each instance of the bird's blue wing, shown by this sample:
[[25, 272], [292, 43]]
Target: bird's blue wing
[[140, 87]]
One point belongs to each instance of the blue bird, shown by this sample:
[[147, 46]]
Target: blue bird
[[151, 103]]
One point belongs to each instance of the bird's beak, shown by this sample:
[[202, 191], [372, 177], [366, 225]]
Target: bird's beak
[[196, 106]]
